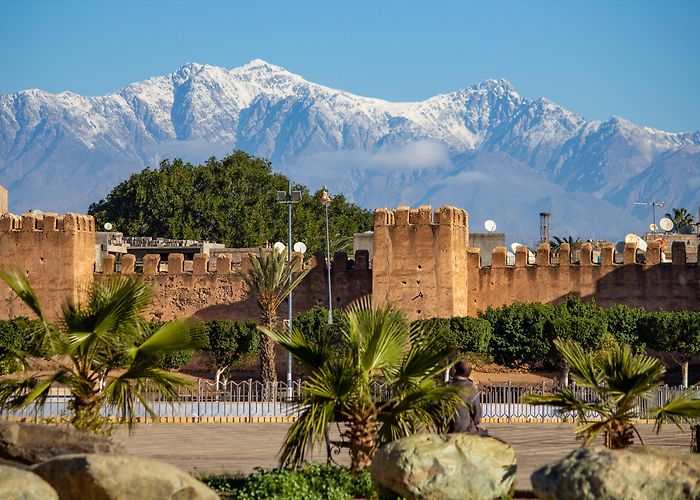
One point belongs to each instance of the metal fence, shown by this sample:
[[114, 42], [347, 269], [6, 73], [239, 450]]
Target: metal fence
[[247, 400]]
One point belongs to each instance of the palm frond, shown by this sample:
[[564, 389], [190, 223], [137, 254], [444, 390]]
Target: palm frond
[[684, 408], [584, 368], [308, 429], [18, 393], [382, 335], [310, 351], [18, 282], [176, 335]]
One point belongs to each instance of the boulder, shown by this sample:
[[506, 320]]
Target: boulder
[[449, 466], [636, 473], [17, 484], [112, 477], [30, 444]]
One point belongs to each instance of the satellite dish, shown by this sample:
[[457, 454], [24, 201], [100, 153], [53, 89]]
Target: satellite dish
[[299, 247], [653, 227], [666, 224], [639, 242], [279, 246], [108, 226], [490, 226], [514, 246]]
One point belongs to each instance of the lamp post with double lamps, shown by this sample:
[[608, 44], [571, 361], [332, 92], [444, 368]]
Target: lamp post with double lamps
[[326, 200], [289, 197]]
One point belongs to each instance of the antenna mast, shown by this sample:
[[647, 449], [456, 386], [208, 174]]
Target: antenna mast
[[653, 204], [544, 227]]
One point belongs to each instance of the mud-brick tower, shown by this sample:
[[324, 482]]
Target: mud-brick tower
[[419, 260], [56, 252]]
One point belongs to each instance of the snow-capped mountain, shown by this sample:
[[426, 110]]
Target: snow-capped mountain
[[484, 148]]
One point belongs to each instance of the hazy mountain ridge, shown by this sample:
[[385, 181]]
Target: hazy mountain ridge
[[484, 147]]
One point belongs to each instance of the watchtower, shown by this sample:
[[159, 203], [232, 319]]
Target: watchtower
[[56, 252], [419, 260]]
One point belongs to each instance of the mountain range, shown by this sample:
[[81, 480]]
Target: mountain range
[[485, 148]]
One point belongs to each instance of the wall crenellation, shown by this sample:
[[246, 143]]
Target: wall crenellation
[[46, 222], [608, 256]]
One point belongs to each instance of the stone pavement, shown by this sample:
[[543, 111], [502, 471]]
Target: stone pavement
[[241, 447]]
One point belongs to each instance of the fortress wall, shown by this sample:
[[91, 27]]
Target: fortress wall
[[223, 294], [653, 285], [420, 260], [56, 252]]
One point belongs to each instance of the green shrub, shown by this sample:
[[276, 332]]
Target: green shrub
[[174, 360], [314, 482], [588, 332], [16, 335], [463, 335], [519, 335]]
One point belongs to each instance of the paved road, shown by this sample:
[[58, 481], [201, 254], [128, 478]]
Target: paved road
[[241, 447]]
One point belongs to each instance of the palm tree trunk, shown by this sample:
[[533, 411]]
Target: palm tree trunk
[[684, 372], [363, 440], [267, 357]]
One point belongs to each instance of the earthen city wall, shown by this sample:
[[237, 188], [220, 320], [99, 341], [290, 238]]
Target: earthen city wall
[[421, 264]]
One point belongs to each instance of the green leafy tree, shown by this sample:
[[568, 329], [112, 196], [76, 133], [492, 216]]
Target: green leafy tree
[[576, 320], [623, 325], [105, 352], [676, 332], [231, 343], [682, 219], [270, 279], [379, 345], [616, 379], [231, 201]]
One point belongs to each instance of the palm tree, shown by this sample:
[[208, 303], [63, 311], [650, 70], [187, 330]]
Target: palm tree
[[375, 345], [681, 218], [617, 379], [271, 278], [557, 242], [105, 353]]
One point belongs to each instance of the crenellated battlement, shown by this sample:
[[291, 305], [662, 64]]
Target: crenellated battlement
[[47, 222], [607, 256], [421, 216], [650, 281]]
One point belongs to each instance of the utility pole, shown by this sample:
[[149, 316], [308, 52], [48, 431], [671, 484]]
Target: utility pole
[[289, 197]]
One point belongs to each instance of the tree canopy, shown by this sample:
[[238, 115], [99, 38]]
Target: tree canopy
[[231, 200]]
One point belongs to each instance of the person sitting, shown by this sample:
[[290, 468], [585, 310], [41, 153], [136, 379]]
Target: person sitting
[[468, 414]]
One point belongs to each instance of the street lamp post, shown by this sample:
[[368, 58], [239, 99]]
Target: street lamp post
[[289, 197], [326, 200]]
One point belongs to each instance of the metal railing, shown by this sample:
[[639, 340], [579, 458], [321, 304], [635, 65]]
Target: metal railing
[[248, 400]]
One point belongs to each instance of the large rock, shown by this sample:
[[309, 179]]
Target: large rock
[[33, 443], [445, 467], [112, 477], [16, 484], [635, 473]]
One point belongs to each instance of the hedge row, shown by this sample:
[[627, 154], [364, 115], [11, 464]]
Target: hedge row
[[514, 335]]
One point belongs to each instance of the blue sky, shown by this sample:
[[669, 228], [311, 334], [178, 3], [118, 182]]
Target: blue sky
[[636, 59]]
